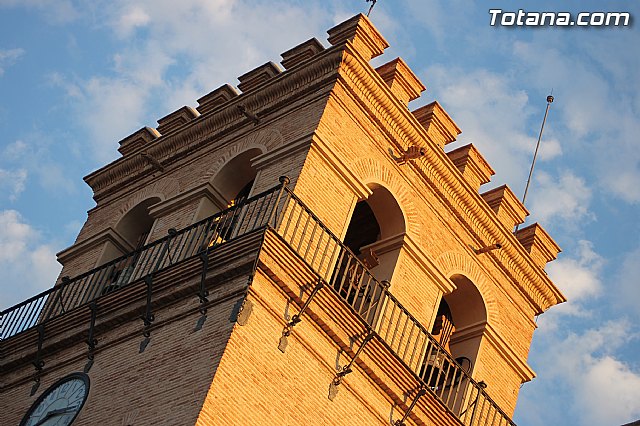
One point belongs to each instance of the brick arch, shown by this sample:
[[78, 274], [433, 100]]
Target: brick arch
[[264, 140], [371, 171], [454, 263], [163, 189]]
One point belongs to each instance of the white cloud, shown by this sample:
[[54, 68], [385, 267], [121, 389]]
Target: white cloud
[[134, 17], [14, 180], [565, 198], [597, 102], [9, 57], [28, 265], [578, 278], [31, 158], [603, 389]]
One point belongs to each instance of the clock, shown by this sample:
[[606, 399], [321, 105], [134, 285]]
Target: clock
[[60, 404]]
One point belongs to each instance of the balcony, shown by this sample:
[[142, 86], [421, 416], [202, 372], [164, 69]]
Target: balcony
[[335, 267]]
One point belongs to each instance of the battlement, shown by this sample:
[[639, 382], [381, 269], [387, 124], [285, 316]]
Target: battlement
[[386, 91], [376, 245]]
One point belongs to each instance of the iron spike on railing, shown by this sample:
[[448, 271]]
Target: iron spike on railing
[[343, 371], [286, 332]]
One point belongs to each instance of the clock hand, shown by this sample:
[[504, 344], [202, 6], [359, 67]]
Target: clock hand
[[54, 413]]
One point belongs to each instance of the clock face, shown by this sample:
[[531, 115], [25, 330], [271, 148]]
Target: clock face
[[60, 404]]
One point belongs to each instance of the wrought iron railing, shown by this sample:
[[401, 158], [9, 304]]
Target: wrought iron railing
[[322, 251], [150, 259], [400, 331]]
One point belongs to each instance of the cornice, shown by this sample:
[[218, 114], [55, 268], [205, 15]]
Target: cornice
[[108, 234], [184, 198], [440, 174], [281, 91]]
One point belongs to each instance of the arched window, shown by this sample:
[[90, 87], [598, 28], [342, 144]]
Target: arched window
[[232, 184], [134, 229], [468, 316], [135, 226], [375, 232]]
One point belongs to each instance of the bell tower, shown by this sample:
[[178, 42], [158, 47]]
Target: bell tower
[[303, 249]]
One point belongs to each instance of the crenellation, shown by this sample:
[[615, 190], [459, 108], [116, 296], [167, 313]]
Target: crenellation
[[138, 140], [217, 97], [404, 84], [257, 76], [327, 122], [475, 169], [506, 205], [176, 119], [361, 33], [438, 124], [538, 243], [301, 53]]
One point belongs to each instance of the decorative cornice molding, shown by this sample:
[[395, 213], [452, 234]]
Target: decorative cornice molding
[[367, 87], [108, 234], [279, 92]]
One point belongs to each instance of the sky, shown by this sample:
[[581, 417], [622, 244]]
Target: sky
[[77, 76]]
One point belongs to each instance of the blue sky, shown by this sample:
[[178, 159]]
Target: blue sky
[[78, 76]]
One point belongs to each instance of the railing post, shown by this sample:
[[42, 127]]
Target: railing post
[[284, 181]]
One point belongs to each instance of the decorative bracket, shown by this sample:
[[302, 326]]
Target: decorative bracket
[[250, 115], [343, 371], [286, 332], [148, 316], [92, 342], [38, 363], [245, 311], [411, 153], [203, 293], [421, 392]]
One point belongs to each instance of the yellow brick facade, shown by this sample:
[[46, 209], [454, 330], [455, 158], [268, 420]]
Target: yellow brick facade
[[338, 129]]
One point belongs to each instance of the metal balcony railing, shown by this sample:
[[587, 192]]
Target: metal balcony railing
[[333, 262], [135, 266], [400, 331]]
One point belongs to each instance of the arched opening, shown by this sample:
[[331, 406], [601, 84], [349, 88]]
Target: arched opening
[[458, 325], [231, 185], [134, 229], [374, 235], [135, 226], [375, 232], [468, 316]]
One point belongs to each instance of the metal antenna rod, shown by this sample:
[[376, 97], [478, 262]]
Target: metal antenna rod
[[535, 154], [373, 3]]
